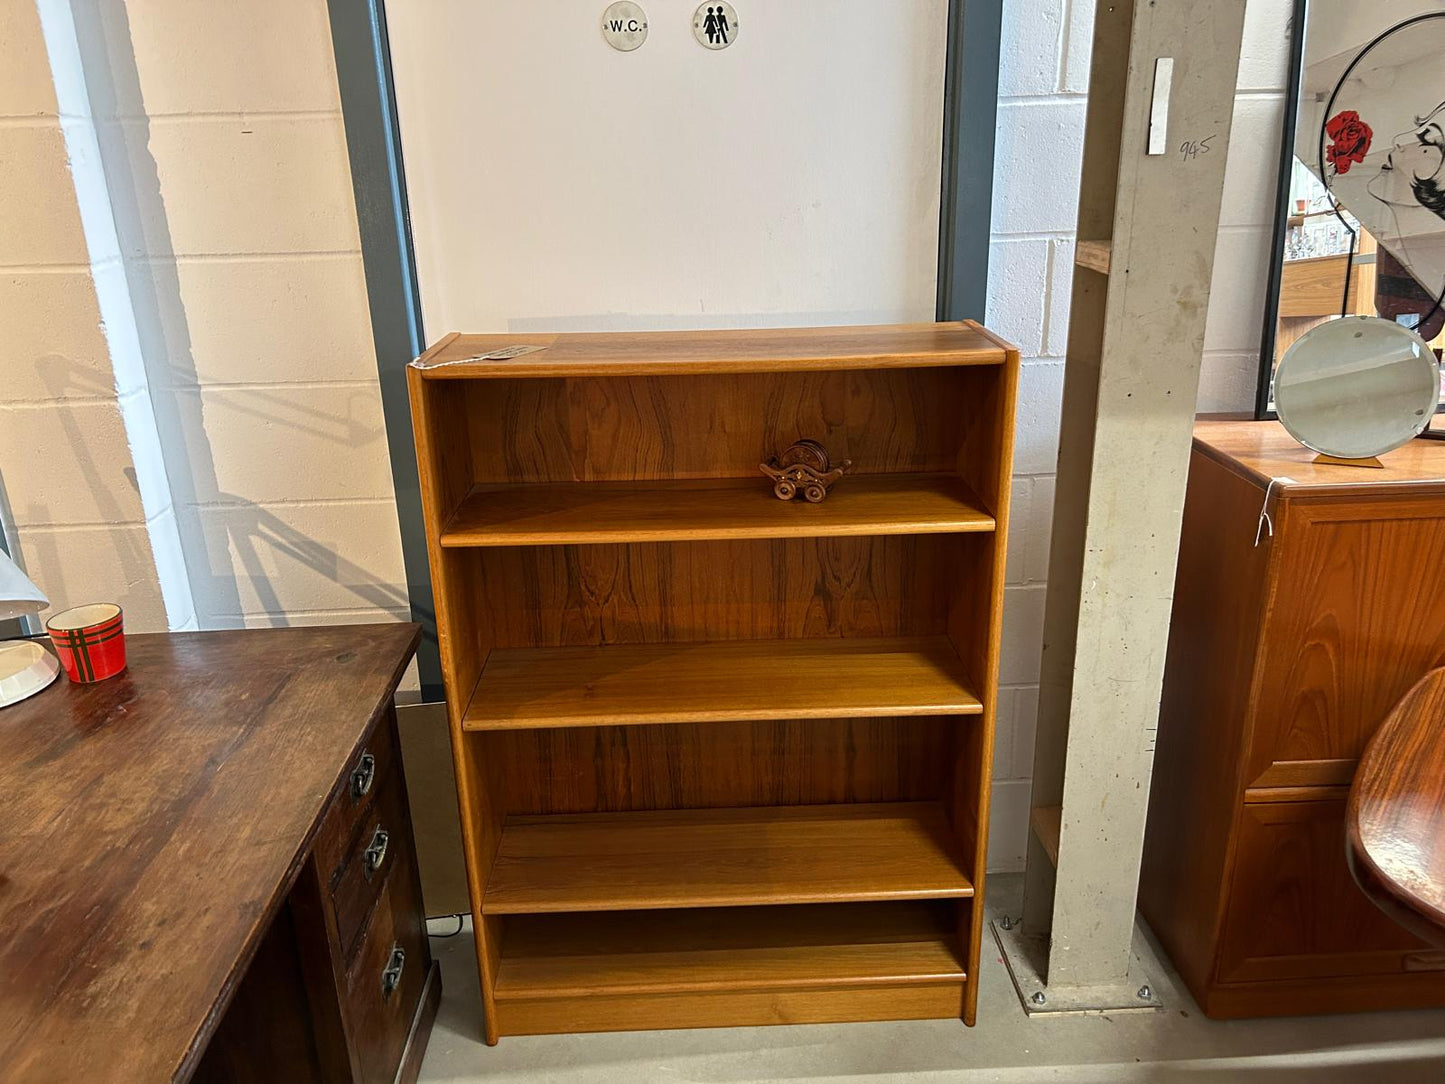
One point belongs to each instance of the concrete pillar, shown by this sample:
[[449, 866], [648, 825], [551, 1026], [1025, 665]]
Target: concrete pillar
[[1147, 231]]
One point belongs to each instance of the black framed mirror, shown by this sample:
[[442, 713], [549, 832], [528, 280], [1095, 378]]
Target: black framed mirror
[[1359, 226]]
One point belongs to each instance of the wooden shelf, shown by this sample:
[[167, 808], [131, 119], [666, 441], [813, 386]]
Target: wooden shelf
[[632, 953], [1095, 255], [565, 513], [1047, 823], [724, 857], [628, 684], [659, 353]]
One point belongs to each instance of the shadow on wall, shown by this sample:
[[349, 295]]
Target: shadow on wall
[[64, 379], [235, 552], [256, 535]]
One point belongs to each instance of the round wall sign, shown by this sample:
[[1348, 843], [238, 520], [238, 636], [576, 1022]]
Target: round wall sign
[[624, 25], [715, 25]]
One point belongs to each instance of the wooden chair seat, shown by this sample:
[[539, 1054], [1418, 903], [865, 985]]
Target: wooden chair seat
[[1395, 824]]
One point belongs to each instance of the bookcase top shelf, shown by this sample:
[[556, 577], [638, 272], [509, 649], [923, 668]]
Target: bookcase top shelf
[[644, 353]]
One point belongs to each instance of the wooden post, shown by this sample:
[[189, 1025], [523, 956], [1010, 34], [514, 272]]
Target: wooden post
[[1147, 229]]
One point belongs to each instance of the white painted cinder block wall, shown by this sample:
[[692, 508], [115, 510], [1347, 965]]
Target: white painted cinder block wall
[[221, 155], [242, 259], [245, 254], [1043, 85], [69, 488]]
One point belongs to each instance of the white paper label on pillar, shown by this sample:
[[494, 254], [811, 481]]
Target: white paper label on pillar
[[624, 26], [715, 25], [1159, 105]]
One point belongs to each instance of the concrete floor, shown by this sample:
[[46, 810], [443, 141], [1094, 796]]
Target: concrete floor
[[1177, 1043]]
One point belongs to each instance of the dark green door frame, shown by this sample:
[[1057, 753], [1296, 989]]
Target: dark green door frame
[[970, 116], [373, 141], [378, 180]]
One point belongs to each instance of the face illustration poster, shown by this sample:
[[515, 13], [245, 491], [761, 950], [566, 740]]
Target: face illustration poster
[[1372, 127]]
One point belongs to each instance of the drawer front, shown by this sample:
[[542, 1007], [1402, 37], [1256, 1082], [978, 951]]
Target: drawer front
[[1294, 910], [380, 845], [368, 775], [385, 980]]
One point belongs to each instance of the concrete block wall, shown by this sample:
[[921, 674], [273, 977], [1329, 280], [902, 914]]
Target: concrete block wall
[[226, 156], [1043, 86], [69, 487]]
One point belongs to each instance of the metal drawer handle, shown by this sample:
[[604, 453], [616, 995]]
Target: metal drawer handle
[[391, 976], [376, 850], [362, 776]]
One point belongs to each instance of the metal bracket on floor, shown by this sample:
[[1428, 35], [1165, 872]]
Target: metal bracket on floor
[[1024, 954]]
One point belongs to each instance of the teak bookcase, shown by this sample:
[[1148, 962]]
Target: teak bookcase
[[722, 759]]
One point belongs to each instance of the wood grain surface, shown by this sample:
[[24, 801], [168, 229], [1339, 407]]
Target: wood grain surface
[[1350, 627], [1095, 255], [605, 466], [733, 1008], [628, 684], [1312, 287], [1046, 822], [686, 592], [729, 350], [709, 425], [725, 857], [1284, 658], [1214, 635], [1264, 450], [1294, 912], [153, 825], [721, 948], [702, 509], [617, 769], [1396, 821]]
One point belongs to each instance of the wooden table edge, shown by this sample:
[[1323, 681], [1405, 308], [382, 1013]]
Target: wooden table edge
[[196, 1049]]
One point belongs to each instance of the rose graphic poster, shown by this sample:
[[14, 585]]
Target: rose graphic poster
[[1379, 146], [1349, 141]]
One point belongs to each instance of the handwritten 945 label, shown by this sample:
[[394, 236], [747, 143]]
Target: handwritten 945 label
[[1191, 149]]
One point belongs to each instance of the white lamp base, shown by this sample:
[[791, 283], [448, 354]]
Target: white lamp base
[[25, 669]]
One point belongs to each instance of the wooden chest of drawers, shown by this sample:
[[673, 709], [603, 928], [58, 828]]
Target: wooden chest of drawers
[[211, 871], [1284, 656], [355, 925]]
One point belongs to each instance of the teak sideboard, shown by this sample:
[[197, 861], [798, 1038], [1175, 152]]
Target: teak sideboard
[[722, 759], [1285, 655]]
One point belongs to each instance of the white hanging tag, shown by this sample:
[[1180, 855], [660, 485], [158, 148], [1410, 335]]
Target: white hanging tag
[[1266, 523], [506, 353]]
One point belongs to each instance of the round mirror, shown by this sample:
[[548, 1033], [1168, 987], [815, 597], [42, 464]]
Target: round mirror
[[1357, 387]]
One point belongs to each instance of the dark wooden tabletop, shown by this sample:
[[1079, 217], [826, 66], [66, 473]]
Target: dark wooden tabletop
[[1396, 820], [150, 826]]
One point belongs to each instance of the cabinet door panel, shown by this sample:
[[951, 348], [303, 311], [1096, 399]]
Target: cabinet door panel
[[1356, 618], [1294, 910]]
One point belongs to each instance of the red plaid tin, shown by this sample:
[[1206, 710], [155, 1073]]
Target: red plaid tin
[[90, 641]]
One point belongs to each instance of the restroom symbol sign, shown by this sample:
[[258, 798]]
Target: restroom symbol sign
[[715, 25], [624, 26]]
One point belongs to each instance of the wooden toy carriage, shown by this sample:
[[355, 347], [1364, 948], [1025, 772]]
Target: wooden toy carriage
[[803, 468]]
